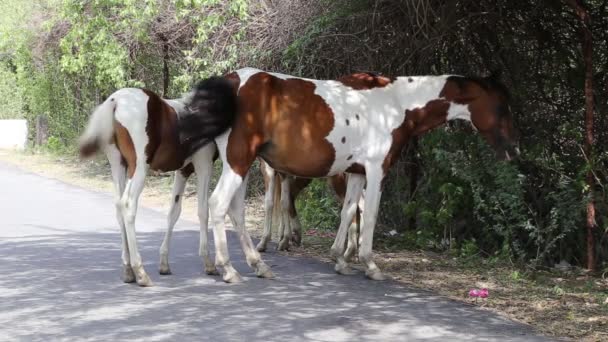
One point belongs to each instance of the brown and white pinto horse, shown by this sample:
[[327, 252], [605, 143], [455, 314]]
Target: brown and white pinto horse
[[279, 203], [137, 130], [312, 128]]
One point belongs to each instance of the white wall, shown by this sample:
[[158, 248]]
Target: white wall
[[13, 134]]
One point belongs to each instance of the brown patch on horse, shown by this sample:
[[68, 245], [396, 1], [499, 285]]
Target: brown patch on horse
[[124, 143], [356, 168], [364, 80], [416, 121], [163, 151], [338, 183], [282, 121]]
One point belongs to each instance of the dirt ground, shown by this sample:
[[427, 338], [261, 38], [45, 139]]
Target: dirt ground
[[561, 303]]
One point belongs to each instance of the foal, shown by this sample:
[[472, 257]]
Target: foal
[[281, 193], [312, 128], [137, 130]]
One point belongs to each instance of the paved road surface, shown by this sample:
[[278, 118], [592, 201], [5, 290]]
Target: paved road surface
[[60, 266]]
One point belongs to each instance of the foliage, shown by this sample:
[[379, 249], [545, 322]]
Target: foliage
[[317, 207]]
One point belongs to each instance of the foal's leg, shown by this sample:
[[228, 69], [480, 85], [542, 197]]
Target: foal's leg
[[349, 208], [297, 185], [374, 175], [236, 212], [179, 184], [338, 183], [203, 165], [285, 229], [129, 202], [352, 243], [119, 173], [269, 176]]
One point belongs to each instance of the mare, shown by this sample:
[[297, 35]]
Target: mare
[[309, 128]]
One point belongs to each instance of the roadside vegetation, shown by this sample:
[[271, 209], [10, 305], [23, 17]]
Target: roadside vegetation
[[533, 231]]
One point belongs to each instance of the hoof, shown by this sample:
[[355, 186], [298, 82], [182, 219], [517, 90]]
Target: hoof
[[211, 270], [142, 277], [283, 245], [164, 270], [233, 278], [144, 281], [375, 275], [263, 271], [128, 276], [261, 247]]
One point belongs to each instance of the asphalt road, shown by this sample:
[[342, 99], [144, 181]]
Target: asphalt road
[[60, 267]]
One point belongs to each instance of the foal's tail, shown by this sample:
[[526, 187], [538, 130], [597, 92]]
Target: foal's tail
[[209, 113], [100, 129]]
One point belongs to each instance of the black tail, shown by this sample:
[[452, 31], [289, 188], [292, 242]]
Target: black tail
[[209, 113]]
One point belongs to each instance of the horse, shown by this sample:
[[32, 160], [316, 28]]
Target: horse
[[310, 128], [281, 192], [137, 130]]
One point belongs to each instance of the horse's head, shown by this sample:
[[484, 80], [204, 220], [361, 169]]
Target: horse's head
[[491, 116]]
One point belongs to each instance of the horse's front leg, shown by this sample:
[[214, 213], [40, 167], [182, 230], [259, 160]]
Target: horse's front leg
[[374, 176], [203, 165]]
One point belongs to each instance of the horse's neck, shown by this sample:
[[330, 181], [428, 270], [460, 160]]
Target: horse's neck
[[416, 91], [422, 100]]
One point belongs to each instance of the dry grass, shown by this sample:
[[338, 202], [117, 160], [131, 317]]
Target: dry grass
[[565, 304]]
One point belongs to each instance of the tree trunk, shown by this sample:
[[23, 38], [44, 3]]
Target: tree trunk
[[587, 49], [165, 68], [42, 130]]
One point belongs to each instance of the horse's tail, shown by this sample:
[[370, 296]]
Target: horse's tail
[[100, 129], [209, 112]]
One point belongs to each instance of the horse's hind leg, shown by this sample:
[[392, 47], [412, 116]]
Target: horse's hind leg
[[203, 165], [285, 230], [269, 177], [129, 202], [236, 212], [179, 185], [349, 208], [352, 244], [119, 173], [297, 185]]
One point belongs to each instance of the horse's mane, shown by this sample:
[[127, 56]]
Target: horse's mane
[[491, 83]]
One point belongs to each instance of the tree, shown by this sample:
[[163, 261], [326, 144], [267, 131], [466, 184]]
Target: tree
[[587, 49]]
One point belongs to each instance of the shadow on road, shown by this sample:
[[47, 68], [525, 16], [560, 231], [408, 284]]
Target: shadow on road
[[66, 286]]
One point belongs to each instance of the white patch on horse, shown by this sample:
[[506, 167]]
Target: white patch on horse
[[459, 111], [372, 116]]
